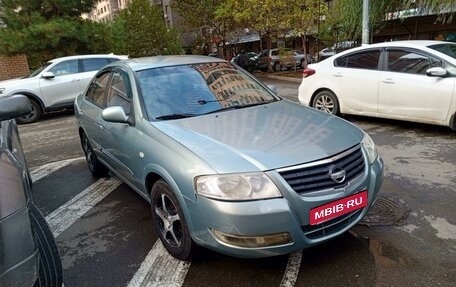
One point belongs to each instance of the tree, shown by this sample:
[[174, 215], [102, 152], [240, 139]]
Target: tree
[[45, 29], [202, 14], [305, 16], [265, 16], [143, 32], [345, 19]]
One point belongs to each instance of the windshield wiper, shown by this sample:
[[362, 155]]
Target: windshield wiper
[[235, 107], [174, 116]]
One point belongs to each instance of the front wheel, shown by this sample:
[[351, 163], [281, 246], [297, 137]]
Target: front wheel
[[276, 67], [50, 270], [95, 166], [169, 222], [33, 116], [326, 101]]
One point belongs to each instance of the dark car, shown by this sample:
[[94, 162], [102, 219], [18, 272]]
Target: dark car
[[28, 252], [254, 62]]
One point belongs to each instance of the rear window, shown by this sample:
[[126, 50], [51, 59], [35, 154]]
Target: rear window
[[447, 49], [95, 64], [360, 60]]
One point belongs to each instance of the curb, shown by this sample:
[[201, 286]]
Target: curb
[[282, 78]]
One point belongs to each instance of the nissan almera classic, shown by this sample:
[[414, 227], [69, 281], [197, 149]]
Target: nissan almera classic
[[224, 162]]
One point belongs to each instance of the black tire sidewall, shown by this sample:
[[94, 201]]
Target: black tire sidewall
[[96, 167], [37, 107], [187, 248], [50, 269]]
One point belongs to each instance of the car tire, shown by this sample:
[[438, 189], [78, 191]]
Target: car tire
[[50, 269], [276, 67], [95, 166], [326, 101], [169, 222], [33, 116]]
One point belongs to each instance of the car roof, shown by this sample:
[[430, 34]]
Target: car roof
[[409, 43], [76, 57], [137, 64]]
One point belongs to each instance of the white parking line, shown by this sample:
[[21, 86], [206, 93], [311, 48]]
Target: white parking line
[[160, 269], [292, 270], [63, 217], [45, 170]]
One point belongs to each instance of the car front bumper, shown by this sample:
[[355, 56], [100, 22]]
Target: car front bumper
[[277, 226]]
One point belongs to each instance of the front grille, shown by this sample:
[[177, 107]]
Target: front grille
[[315, 176], [331, 226]]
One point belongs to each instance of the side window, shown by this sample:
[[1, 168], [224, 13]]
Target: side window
[[404, 61], [96, 93], [94, 64], [65, 68], [362, 60], [119, 91]]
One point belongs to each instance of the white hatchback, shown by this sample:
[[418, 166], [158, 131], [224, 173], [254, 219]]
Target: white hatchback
[[403, 80], [57, 83]]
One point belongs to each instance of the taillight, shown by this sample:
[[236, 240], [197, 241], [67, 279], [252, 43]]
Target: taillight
[[308, 72]]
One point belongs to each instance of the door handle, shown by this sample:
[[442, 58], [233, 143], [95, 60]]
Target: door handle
[[337, 74], [75, 80], [388, 81], [102, 127]]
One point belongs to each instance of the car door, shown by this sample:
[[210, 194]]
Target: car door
[[92, 105], [354, 79], [405, 91], [119, 138], [64, 87]]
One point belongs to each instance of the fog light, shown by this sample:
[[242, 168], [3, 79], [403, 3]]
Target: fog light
[[253, 241]]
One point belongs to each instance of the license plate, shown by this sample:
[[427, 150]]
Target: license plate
[[337, 208]]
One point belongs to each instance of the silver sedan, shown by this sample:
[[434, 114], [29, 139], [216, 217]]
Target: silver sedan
[[226, 163]]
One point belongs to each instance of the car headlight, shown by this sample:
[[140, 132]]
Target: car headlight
[[370, 147], [245, 186]]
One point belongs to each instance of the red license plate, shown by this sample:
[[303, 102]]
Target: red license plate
[[337, 208]]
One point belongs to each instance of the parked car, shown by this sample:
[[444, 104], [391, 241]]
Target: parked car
[[225, 163], [404, 80], [28, 253], [56, 84], [326, 53], [299, 57], [253, 62], [283, 58]]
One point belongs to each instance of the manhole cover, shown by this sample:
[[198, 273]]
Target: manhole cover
[[386, 211]]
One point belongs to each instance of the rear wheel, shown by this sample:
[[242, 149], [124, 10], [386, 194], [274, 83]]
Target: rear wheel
[[50, 269], [169, 221], [95, 166], [326, 101], [33, 116], [276, 67]]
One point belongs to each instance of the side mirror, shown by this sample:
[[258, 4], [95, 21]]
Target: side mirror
[[48, 75], [115, 115], [436, 72], [274, 89], [14, 106]]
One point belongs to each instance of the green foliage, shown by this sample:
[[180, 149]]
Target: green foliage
[[203, 14], [45, 29], [140, 31]]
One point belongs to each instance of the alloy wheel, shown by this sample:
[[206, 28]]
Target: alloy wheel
[[325, 104], [170, 222]]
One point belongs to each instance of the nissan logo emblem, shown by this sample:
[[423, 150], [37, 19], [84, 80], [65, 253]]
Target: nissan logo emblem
[[337, 174]]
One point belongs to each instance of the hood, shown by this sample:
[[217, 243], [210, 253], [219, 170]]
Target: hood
[[265, 137], [13, 84]]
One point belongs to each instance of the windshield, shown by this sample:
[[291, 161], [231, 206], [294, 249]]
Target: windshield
[[39, 70], [447, 49], [193, 90]]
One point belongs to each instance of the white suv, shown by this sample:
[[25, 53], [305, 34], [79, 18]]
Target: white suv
[[57, 83]]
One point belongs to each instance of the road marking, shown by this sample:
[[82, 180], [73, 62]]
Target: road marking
[[160, 269], [63, 217], [292, 270], [47, 169]]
